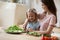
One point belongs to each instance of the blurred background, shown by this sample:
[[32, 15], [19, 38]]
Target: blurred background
[[13, 11]]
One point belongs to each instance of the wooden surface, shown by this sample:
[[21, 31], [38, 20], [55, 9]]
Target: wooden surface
[[24, 36], [56, 30]]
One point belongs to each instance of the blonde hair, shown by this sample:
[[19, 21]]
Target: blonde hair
[[33, 10]]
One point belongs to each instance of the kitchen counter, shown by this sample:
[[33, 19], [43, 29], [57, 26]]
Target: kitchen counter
[[56, 29], [24, 36]]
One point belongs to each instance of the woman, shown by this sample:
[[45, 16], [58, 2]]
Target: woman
[[49, 21]]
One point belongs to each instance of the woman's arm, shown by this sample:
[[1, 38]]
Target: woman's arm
[[50, 27], [47, 31]]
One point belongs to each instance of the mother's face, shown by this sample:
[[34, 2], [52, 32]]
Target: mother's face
[[44, 7]]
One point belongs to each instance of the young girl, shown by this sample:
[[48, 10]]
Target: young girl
[[32, 20]]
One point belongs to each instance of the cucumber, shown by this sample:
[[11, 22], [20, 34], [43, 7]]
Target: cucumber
[[34, 34]]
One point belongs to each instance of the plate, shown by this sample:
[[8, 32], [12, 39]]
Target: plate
[[14, 31]]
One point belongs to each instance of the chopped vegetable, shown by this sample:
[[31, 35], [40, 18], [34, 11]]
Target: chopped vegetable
[[34, 34], [14, 29]]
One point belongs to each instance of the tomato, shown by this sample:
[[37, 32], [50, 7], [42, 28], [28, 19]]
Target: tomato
[[43, 38], [46, 38], [49, 38], [54, 38]]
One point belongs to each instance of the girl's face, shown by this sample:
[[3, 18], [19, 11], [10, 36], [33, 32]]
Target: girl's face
[[44, 7], [31, 16]]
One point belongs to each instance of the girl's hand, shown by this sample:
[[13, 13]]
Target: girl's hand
[[25, 24], [24, 28], [30, 29]]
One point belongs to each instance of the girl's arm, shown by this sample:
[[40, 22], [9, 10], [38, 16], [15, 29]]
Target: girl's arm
[[50, 27], [25, 23]]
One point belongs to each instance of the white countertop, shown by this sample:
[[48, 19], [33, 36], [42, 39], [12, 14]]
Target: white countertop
[[24, 36]]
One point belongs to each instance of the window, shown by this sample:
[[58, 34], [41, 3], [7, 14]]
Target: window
[[20, 1], [24, 2]]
